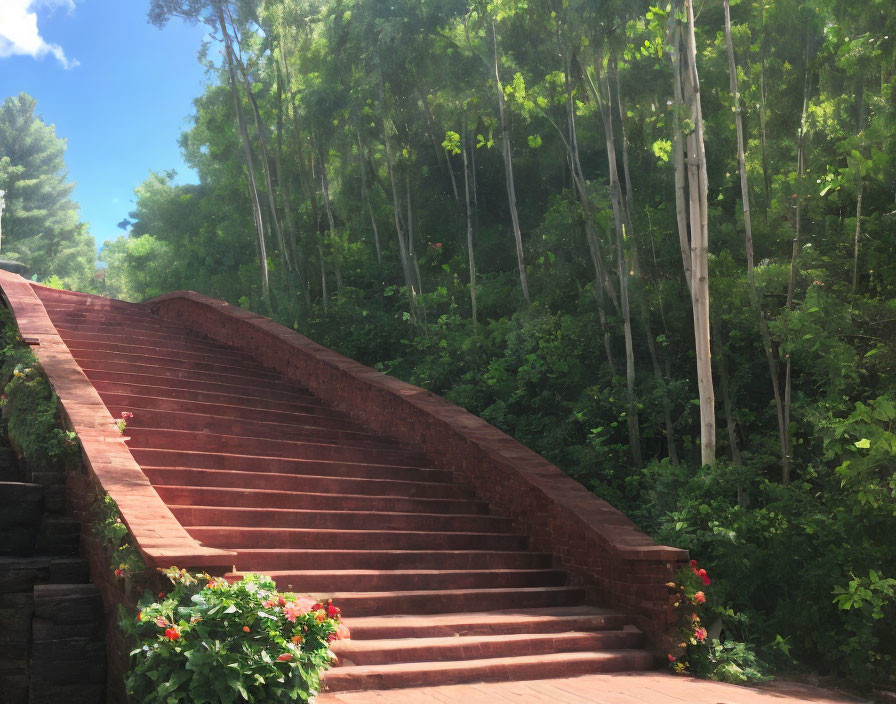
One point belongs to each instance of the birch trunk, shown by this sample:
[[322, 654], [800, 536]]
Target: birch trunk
[[699, 241]]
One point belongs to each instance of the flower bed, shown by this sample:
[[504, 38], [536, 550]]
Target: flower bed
[[216, 641]]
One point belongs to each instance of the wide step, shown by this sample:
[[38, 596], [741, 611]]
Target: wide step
[[486, 623], [323, 581], [384, 652], [528, 667]]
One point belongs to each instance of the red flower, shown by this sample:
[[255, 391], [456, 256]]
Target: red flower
[[246, 629], [297, 639], [317, 607], [127, 415], [119, 572], [332, 637], [286, 657], [140, 616], [702, 575], [671, 657], [332, 611], [700, 598], [693, 564], [172, 633], [280, 601], [700, 634]]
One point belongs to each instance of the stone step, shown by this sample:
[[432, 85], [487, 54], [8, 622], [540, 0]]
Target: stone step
[[278, 559], [316, 416], [260, 498], [301, 484], [284, 465], [141, 334], [224, 363], [150, 419], [433, 601], [528, 667], [245, 398], [338, 520], [486, 623], [372, 539], [383, 652], [80, 338], [229, 390], [354, 580], [168, 351]]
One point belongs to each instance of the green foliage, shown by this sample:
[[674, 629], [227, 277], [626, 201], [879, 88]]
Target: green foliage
[[700, 650], [30, 406], [214, 641], [124, 560], [40, 221]]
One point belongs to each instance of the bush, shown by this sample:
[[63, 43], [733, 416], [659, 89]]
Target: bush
[[214, 641], [29, 406]]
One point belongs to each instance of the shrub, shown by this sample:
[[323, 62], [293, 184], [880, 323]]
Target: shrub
[[124, 560], [700, 650], [30, 405], [215, 641]]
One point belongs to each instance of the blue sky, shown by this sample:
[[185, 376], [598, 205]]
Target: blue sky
[[118, 89]]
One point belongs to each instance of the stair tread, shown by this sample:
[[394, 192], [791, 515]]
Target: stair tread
[[425, 665], [460, 640]]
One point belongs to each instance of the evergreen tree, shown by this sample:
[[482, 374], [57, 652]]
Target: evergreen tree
[[41, 227]]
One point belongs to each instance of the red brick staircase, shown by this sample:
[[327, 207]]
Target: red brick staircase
[[435, 588]]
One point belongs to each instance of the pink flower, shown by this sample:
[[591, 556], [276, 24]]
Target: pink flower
[[700, 634], [127, 415], [293, 609], [671, 657], [161, 623], [286, 657], [342, 632]]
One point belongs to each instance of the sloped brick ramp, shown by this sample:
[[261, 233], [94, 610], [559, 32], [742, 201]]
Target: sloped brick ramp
[[456, 554]]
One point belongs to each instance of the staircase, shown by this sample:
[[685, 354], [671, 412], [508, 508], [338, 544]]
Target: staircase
[[434, 587]]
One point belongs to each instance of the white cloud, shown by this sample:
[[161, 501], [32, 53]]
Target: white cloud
[[19, 34]]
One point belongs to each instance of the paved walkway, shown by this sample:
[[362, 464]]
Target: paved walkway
[[638, 688]]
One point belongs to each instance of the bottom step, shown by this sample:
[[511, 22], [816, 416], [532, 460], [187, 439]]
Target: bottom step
[[529, 667]]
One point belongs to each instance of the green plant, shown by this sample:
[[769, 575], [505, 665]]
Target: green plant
[[30, 406], [700, 650], [124, 560], [122, 423], [214, 641]]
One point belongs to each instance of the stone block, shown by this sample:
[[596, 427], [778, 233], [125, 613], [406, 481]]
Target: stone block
[[58, 536], [69, 570], [68, 603], [20, 574], [68, 661]]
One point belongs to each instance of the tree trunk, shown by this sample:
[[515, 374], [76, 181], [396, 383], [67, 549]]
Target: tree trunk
[[855, 255], [470, 256], [791, 283], [623, 274], [699, 241], [250, 167], [636, 268], [508, 164], [765, 335], [362, 167]]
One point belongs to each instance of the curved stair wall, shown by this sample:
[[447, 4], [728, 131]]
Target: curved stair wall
[[605, 552]]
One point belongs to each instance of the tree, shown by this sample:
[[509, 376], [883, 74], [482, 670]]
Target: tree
[[40, 221]]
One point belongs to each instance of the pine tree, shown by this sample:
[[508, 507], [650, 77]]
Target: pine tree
[[41, 227]]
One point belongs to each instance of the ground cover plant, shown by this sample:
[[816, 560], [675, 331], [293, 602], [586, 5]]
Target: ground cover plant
[[218, 641]]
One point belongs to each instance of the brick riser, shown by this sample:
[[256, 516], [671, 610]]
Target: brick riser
[[435, 588]]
